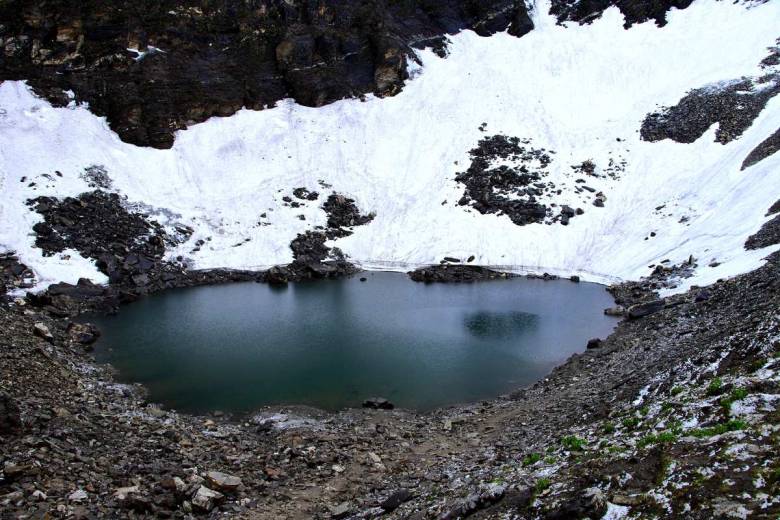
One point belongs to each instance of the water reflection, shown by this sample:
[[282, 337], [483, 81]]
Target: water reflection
[[332, 344], [500, 325]]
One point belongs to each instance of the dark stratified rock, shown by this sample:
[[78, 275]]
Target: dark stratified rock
[[157, 67], [767, 147], [445, 273], [585, 11], [769, 234], [378, 403], [10, 416], [640, 310]]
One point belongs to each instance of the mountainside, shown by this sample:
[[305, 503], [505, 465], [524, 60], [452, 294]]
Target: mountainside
[[590, 149], [155, 67]]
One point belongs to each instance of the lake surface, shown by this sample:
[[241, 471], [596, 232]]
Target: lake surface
[[332, 344]]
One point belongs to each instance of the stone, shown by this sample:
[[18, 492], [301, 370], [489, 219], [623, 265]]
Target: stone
[[341, 511], [78, 496], [590, 504], [83, 333], [206, 499], [123, 492], [641, 310], [223, 481], [42, 331], [174, 484], [615, 311], [575, 278], [378, 403], [12, 470], [395, 500], [593, 343]]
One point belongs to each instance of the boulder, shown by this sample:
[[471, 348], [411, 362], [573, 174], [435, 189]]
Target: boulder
[[594, 343], [395, 500], [378, 403], [223, 481], [206, 499], [42, 331], [640, 310], [83, 333], [615, 311]]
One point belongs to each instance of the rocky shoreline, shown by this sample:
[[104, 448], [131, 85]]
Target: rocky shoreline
[[628, 425]]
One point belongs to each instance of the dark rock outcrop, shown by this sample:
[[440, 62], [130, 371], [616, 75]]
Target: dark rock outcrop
[[152, 68], [733, 107], [343, 213], [506, 190], [765, 148], [585, 11], [13, 274], [445, 273], [769, 234]]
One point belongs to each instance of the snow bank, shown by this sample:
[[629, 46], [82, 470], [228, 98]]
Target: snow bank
[[575, 90]]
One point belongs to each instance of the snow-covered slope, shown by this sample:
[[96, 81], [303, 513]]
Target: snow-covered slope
[[581, 91]]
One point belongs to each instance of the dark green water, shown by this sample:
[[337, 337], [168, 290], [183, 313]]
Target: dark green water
[[332, 344]]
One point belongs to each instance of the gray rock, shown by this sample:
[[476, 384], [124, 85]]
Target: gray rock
[[223, 481], [42, 331], [205, 499], [640, 310]]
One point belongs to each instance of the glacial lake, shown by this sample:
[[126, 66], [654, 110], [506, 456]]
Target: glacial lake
[[331, 344]]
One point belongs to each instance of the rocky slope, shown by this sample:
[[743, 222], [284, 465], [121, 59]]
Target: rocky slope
[[673, 415]]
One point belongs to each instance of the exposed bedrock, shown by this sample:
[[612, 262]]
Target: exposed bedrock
[[585, 11], [769, 234], [455, 274], [767, 147], [129, 248], [154, 67], [733, 105]]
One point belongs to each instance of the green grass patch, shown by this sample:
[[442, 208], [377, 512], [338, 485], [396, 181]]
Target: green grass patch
[[532, 458], [715, 387], [542, 484], [630, 422], [653, 439], [608, 428], [677, 390], [735, 395], [731, 426], [644, 411], [573, 443]]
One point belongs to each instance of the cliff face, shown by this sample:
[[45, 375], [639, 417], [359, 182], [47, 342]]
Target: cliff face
[[153, 67]]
